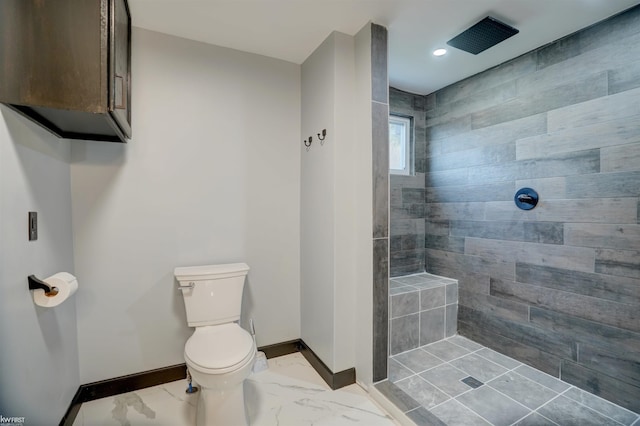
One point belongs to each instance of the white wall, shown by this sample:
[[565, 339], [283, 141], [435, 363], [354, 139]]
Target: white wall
[[317, 219], [364, 205], [331, 180], [38, 349], [211, 175]]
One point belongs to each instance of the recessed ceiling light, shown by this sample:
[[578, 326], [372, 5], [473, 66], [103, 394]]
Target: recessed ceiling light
[[439, 52]]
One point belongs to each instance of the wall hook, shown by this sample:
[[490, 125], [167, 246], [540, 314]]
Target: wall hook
[[324, 135], [308, 144]]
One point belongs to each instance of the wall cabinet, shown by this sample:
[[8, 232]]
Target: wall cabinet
[[66, 65]]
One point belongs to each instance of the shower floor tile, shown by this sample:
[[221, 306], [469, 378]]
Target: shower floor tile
[[445, 350], [478, 367], [511, 394]]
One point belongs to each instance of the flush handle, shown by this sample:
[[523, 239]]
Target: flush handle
[[187, 287]]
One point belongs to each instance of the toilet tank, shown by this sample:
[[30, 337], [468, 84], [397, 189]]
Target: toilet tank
[[212, 293]]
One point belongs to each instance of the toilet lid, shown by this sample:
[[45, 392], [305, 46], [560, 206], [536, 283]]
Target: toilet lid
[[219, 346]]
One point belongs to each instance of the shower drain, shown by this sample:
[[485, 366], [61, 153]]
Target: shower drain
[[472, 382]]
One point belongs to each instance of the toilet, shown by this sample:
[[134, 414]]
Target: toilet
[[219, 354]]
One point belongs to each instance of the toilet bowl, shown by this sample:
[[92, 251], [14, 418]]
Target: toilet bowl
[[219, 354], [220, 358]]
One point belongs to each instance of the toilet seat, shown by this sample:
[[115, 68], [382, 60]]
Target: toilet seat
[[219, 349]]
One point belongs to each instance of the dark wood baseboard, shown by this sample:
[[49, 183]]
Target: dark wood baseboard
[[280, 349], [334, 380], [133, 382], [123, 384]]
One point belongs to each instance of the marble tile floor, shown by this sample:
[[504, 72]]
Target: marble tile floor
[[429, 385], [290, 392]]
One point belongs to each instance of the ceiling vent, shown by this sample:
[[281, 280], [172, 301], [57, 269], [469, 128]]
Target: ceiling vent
[[483, 35]]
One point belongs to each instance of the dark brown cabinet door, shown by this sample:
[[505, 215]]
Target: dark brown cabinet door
[[120, 65]]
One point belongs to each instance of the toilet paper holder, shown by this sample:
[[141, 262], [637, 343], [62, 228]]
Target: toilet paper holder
[[35, 283]]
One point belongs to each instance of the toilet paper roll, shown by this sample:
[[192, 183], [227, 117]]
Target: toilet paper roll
[[66, 284]]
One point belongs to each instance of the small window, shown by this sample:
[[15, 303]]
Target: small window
[[400, 158]]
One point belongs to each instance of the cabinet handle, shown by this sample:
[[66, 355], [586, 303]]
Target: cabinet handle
[[120, 98]]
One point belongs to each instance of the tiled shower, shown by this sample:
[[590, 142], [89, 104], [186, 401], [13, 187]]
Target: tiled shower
[[557, 287]]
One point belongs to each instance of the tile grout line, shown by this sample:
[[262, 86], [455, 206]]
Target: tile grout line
[[537, 382], [590, 408], [464, 406]]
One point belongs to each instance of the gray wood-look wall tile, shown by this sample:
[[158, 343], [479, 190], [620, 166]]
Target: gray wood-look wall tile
[[413, 181], [602, 385], [592, 210], [497, 230], [505, 211], [610, 32], [379, 78], [408, 211], [455, 263], [472, 103], [408, 258], [565, 164], [626, 77], [468, 193], [603, 311], [591, 63], [550, 188], [395, 243], [620, 158], [558, 51], [445, 243], [412, 242], [499, 134], [508, 71], [455, 177], [625, 263], [430, 102], [539, 232], [586, 331], [407, 226], [617, 106], [395, 195], [449, 128], [576, 258], [473, 157], [380, 307], [625, 237], [402, 102], [525, 334], [608, 287], [454, 211], [596, 135], [544, 232], [544, 100], [435, 227], [601, 185], [623, 365], [380, 114], [530, 355], [413, 195], [502, 308]]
